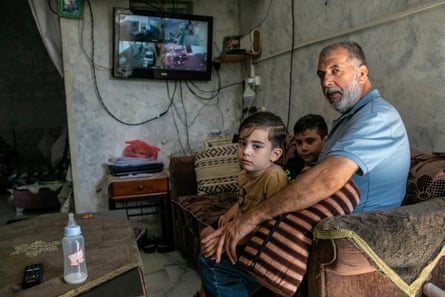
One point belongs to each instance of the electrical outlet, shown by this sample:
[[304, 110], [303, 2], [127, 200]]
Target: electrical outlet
[[254, 80], [257, 80], [263, 108]]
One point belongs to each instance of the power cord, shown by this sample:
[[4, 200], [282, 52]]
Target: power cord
[[291, 63], [96, 88], [51, 8], [190, 85], [260, 22]]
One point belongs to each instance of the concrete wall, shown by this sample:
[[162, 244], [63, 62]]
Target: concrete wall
[[96, 135], [403, 40]]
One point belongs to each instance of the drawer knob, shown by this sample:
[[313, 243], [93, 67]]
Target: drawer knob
[[140, 187]]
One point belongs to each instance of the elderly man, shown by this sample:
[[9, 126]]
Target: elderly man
[[367, 143]]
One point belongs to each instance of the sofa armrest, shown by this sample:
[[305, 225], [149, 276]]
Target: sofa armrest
[[182, 176], [405, 243]]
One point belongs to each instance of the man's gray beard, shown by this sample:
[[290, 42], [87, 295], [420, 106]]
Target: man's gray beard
[[350, 97]]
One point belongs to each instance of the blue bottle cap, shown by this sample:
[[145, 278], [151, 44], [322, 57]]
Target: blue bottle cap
[[72, 229]]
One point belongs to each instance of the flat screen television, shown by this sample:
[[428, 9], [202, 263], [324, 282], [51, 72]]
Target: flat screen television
[[157, 45]]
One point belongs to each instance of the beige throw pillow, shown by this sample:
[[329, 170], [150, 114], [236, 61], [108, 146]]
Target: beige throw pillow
[[217, 169]]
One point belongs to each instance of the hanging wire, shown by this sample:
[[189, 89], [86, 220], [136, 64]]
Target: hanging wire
[[175, 112], [183, 120], [291, 64], [84, 51], [51, 8], [185, 116], [207, 98], [193, 88], [261, 22], [96, 88]]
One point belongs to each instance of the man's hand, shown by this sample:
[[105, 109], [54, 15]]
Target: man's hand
[[208, 249], [210, 243], [309, 188], [225, 218], [229, 236], [229, 215]]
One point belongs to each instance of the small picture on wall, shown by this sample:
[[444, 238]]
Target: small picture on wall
[[70, 8], [231, 44]]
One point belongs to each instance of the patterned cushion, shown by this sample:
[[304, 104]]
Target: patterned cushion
[[278, 251], [426, 179], [217, 169]]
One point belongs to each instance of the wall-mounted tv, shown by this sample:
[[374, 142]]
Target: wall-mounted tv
[[157, 45]]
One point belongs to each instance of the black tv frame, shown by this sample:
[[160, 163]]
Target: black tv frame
[[145, 46]]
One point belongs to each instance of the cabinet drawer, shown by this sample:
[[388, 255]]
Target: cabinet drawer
[[139, 187]]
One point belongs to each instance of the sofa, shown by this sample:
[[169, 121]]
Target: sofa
[[390, 252]]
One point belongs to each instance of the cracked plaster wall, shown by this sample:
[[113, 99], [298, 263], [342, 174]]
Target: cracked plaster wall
[[403, 40]]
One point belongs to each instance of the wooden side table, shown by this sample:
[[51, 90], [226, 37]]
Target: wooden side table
[[140, 193]]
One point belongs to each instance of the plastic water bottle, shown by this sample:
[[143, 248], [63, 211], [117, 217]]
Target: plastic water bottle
[[75, 266]]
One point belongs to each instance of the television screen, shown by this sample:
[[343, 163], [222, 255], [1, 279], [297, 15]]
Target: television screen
[[157, 45]]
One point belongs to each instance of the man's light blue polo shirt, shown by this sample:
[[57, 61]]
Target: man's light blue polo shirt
[[372, 134]]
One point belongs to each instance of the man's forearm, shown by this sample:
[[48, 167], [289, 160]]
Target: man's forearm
[[314, 185]]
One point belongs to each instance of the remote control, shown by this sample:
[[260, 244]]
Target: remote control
[[32, 276]]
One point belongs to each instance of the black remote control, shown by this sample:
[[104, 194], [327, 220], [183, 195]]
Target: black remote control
[[32, 276]]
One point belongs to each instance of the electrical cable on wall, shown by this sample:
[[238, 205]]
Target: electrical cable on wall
[[206, 102], [96, 88], [171, 101], [249, 95], [84, 51], [260, 22], [51, 8], [222, 54], [208, 97], [213, 93], [176, 114], [185, 119], [180, 112], [291, 64]]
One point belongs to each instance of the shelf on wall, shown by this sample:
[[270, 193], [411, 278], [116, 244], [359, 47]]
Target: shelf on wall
[[233, 58]]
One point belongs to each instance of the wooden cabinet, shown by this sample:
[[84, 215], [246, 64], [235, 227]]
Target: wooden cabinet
[[137, 187], [144, 195]]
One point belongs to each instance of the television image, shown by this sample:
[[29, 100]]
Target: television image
[[157, 45]]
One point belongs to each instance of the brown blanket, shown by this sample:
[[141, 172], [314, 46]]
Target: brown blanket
[[405, 243], [109, 246]]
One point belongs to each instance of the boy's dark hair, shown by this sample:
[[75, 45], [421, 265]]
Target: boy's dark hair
[[311, 121], [266, 119]]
